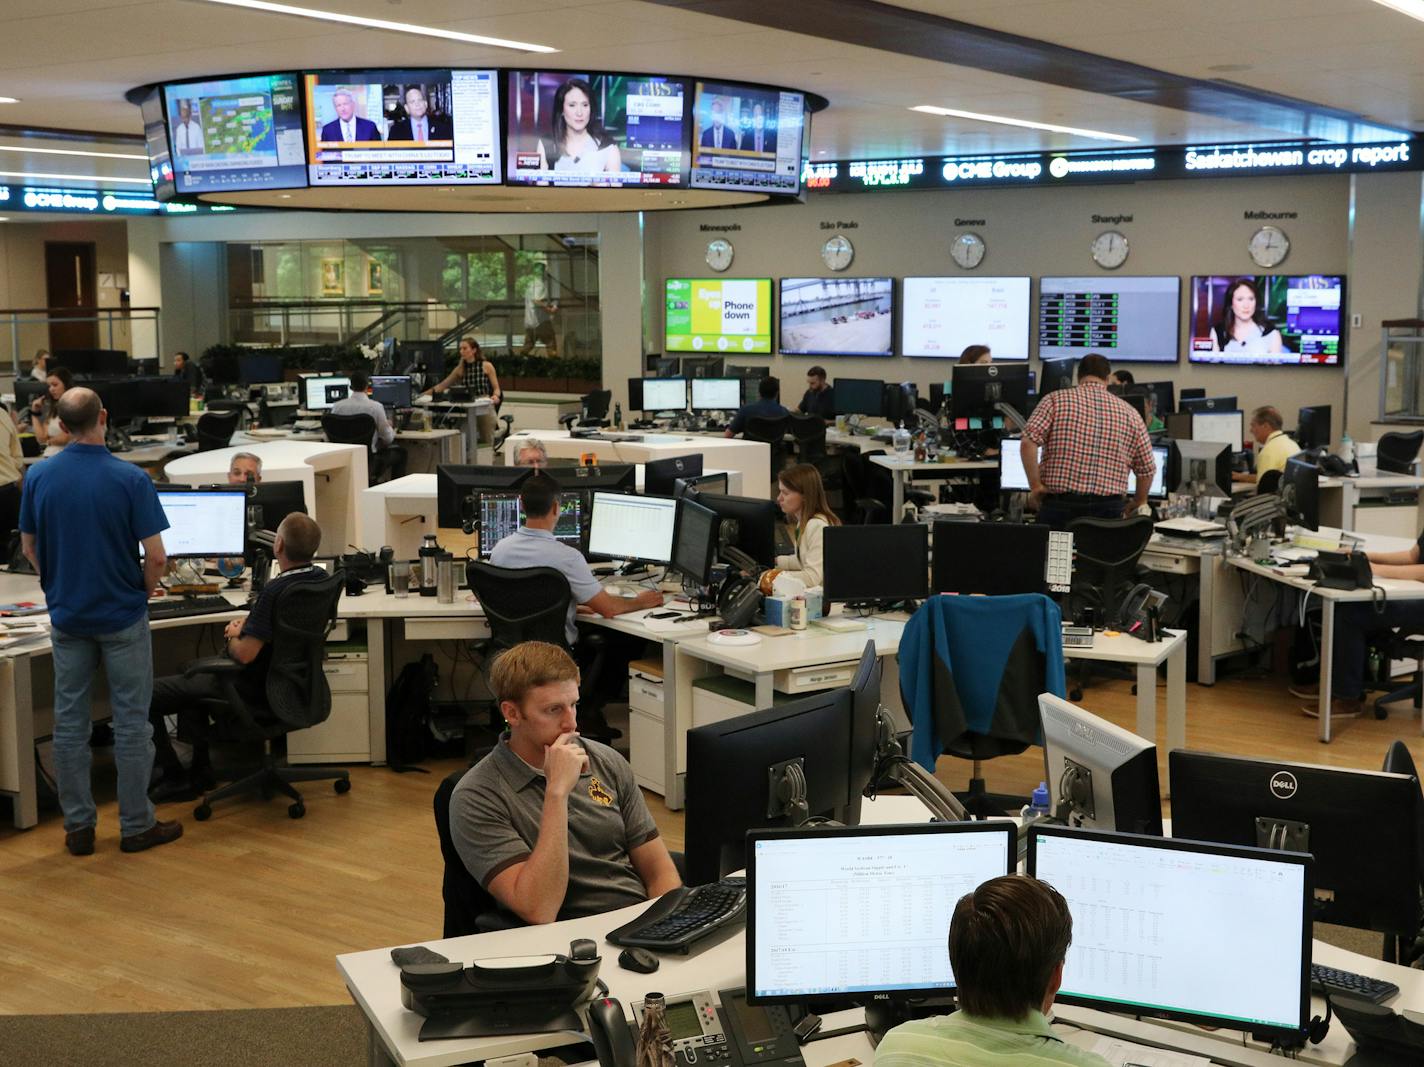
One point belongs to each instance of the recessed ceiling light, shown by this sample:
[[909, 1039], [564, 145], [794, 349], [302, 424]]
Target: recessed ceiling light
[[948, 112], [346, 19], [72, 152], [1413, 8], [97, 179], [9, 99]]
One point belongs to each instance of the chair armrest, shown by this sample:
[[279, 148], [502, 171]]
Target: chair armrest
[[214, 665]]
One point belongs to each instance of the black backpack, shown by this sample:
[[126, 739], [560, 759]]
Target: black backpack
[[408, 714]]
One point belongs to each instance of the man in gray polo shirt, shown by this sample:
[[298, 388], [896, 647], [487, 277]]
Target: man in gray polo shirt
[[551, 824]]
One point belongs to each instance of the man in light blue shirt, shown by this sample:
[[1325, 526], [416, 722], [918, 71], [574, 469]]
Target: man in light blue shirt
[[386, 456]]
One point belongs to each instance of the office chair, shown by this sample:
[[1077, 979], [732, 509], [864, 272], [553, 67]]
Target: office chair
[[1405, 643], [810, 434], [359, 429], [1395, 452], [859, 504], [1270, 482], [501, 436], [470, 908], [297, 694], [275, 417], [215, 429], [771, 432], [1397, 760], [1003, 651], [593, 407], [1105, 555]]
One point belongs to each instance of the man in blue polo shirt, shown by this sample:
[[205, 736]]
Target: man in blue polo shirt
[[82, 517], [767, 406]]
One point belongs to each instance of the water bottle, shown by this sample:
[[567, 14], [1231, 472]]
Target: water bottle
[[618, 416], [1037, 807], [902, 441], [654, 1036], [1347, 449], [429, 555]]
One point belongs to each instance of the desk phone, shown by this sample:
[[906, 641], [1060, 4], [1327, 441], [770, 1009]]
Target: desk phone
[[734, 1033]]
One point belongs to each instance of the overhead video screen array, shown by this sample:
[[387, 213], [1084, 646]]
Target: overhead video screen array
[[1129, 320], [237, 133], [715, 315], [746, 138], [945, 315], [408, 127], [1271, 319], [837, 316]]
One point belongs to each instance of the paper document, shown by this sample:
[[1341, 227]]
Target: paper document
[[1121, 1053], [1191, 527]]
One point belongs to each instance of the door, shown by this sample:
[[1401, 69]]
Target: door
[[70, 285]]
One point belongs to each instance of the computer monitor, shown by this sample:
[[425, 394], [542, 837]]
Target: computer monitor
[[664, 394], [702, 483], [664, 366], [629, 527], [1137, 401], [1190, 393], [695, 541], [1178, 425], [876, 564], [92, 362], [1099, 775], [254, 368], [939, 393], [695, 367], [203, 523], [1013, 478], [716, 394], [26, 389], [1227, 427], [1300, 492], [900, 401], [321, 391], [635, 394], [162, 398], [1313, 427], [660, 475], [756, 374], [1208, 934], [859, 396], [392, 390], [427, 357], [992, 558], [1057, 374], [979, 386], [745, 523], [1164, 396], [119, 397], [734, 768], [457, 483], [268, 503], [1207, 403], [862, 914], [607, 477], [1204, 463], [1361, 826], [501, 515]]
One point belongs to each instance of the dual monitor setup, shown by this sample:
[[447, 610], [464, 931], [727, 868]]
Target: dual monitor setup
[[211, 522], [320, 392], [1210, 926], [1295, 320]]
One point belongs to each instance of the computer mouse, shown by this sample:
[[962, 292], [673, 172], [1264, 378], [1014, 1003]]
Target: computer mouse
[[627, 592], [638, 959]]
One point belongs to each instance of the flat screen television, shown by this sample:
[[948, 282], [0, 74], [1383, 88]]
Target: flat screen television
[[155, 139], [718, 315], [746, 138], [403, 127], [236, 133], [637, 122], [1129, 320], [1267, 320], [837, 316], [943, 316]]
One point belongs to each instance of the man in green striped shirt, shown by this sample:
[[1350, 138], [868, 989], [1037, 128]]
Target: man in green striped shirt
[[1007, 943]]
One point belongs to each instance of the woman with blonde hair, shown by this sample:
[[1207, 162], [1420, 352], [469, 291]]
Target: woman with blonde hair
[[802, 498]]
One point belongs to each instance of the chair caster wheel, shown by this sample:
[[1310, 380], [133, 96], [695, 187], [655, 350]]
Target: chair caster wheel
[[1075, 694], [342, 785], [297, 810], [203, 812], [1381, 713]]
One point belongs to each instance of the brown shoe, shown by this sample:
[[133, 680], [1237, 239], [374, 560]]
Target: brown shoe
[[80, 842], [1339, 709], [160, 833]]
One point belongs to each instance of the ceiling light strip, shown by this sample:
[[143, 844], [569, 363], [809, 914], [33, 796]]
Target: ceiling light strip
[[346, 19], [73, 152], [1413, 8], [974, 116], [97, 179]]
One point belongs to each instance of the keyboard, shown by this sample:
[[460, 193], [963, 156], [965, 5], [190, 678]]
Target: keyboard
[[1325, 980], [677, 920], [178, 607]]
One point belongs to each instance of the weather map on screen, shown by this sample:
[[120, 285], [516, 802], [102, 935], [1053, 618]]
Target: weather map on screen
[[236, 133]]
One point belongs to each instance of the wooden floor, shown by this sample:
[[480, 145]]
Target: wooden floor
[[250, 908]]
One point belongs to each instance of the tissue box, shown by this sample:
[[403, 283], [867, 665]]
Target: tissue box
[[777, 609]]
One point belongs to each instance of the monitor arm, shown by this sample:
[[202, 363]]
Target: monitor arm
[[786, 792], [1253, 517], [1011, 415], [892, 764]]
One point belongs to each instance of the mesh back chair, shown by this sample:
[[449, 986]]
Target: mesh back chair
[[1270, 482], [810, 434], [1105, 555], [296, 694], [860, 504], [215, 429], [470, 908], [593, 407], [1395, 453], [276, 415], [771, 432], [1397, 760], [360, 429]]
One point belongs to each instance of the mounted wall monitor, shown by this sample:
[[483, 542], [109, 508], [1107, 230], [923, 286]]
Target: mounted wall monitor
[[943, 316], [403, 127], [236, 134], [1267, 320], [746, 138], [718, 315], [1129, 320], [837, 316], [613, 130], [155, 138]]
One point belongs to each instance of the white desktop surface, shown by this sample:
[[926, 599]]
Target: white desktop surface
[[751, 458], [801, 648]]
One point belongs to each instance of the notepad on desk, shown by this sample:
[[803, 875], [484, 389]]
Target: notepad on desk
[[839, 624]]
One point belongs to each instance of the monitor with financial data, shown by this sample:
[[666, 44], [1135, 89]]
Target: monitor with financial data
[[664, 394], [624, 526], [1224, 427], [321, 391], [501, 515], [819, 898], [204, 523], [457, 485], [391, 390], [1209, 934], [716, 394]]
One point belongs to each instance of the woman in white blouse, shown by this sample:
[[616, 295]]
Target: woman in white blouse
[[802, 497]]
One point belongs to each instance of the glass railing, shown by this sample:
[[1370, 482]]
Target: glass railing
[[24, 331]]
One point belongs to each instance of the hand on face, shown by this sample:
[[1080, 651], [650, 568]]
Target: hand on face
[[564, 761]]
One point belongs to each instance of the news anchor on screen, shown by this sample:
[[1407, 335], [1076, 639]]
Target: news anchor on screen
[[348, 126], [759, 137], [577, 142], [719, 134], [187, 133], [1244, 327], [419, 124]]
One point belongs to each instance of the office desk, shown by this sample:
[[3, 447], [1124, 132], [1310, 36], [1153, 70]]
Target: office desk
[[331, 475], [751, 458], [466, 413], [903, 470], [1340, 498], [143, 455], [426, 449]]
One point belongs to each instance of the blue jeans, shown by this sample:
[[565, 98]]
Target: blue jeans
[[128, 665], [1355, 626], [1059, 509]]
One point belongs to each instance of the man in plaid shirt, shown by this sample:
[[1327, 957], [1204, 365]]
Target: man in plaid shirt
[[1090, 440]]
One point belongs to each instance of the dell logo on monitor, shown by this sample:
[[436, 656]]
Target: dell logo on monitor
[[1283, 785]]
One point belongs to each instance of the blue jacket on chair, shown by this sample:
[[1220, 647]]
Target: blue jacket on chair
[[997, 653]]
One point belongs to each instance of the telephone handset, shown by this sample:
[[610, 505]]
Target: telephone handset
[[608, 1030]]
